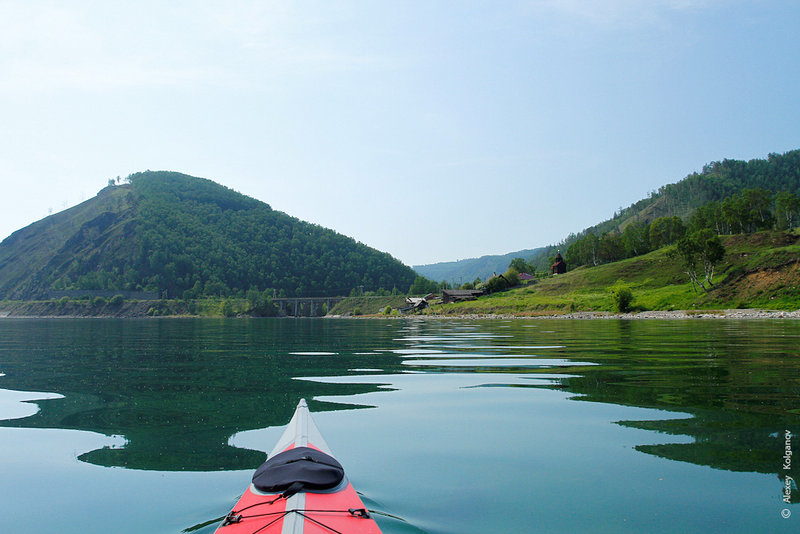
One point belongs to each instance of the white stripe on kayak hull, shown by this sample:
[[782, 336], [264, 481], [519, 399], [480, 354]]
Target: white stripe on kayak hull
[[300, 432], [293, 523]]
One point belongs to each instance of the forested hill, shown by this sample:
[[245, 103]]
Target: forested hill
[[716, 182], [192, 237]]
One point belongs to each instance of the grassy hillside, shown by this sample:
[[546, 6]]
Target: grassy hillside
[[759, 270]]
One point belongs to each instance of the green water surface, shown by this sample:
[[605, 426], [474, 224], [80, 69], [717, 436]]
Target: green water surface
[[449, 426]]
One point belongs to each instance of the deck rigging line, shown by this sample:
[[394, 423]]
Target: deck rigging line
[[235, 516]]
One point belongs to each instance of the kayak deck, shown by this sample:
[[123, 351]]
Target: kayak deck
[[324, 511]]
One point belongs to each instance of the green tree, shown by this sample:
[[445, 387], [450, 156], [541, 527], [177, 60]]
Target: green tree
[[586, 250], [636, 239], [787, 208], [708, 215], [735, 214], [512, 277], [259, 302], [227, 308], [195, 292], [623, 297], [495, 283], [423, 286], [700, 252], [522, 266], [666, 231], [215, 287], [759, 215], [611, 247]]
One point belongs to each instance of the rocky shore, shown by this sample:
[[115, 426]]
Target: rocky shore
[[681, 314]]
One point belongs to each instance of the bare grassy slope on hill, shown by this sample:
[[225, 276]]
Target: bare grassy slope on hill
[[32, 253]]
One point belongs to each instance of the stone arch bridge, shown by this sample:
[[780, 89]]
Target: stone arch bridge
[[305, 306]]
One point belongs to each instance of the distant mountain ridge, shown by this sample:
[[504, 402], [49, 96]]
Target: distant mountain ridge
[[190, 237], [462, 271]]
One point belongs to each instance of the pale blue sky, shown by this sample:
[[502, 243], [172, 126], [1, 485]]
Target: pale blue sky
[[434, 131]]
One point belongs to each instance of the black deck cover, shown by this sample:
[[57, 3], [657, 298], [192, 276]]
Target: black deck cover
[[301, 468]]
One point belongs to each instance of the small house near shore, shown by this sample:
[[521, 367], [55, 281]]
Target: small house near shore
[[417, 303]]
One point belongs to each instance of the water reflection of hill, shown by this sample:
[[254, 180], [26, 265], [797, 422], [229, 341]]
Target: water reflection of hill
[[739, 379], [176, 390]]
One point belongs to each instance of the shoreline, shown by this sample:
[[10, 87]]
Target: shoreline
[[663, 315], [748, 313]]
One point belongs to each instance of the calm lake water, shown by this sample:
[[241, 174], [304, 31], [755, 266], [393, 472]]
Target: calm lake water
[[155, 426]]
